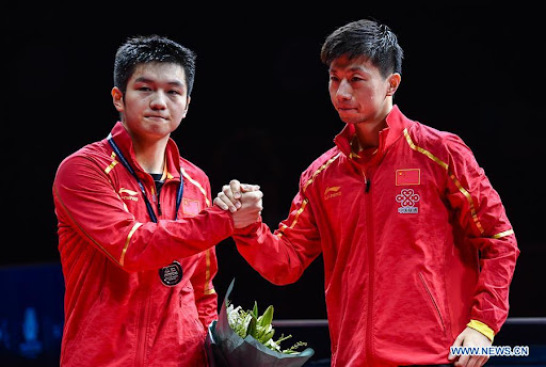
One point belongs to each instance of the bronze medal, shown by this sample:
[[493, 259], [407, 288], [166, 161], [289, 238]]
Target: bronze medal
[[171, 274]]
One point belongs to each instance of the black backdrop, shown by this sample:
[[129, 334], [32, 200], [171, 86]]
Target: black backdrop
[[260, 111]]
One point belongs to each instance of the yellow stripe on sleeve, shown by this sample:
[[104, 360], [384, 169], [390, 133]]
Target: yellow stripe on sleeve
[[482, 328], [131, 232], [199, 187], [208, 290]]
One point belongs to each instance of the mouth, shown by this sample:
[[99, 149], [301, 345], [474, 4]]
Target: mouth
[[346, 109], [156, 117]]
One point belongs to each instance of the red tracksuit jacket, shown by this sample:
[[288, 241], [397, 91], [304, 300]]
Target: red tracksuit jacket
[[415, 243], [118, 312]]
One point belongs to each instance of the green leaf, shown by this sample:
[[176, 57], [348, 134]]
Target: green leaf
[[255, 309], [268, 335], [247, 322], [252, 327], [267, 316]]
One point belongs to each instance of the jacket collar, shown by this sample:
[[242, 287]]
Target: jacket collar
[[396, 123], [125, 143]]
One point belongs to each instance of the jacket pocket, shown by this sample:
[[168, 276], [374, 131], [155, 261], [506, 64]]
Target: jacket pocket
[[188, 315], [433, 302]]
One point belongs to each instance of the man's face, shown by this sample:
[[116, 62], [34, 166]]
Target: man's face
[[358, 91], [155, 101]]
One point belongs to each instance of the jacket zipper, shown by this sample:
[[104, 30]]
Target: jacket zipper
[[371, 260], [143, 332], [159, 204], [156, 195], [144, 315]]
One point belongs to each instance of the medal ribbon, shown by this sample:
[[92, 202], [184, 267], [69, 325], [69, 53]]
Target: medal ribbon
[[126, 164]]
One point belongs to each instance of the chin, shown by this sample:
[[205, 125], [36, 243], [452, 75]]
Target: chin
[[349, 120]]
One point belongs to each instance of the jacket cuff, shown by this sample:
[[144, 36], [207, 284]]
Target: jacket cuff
[[248, 231], [224, 214], [482, 328]]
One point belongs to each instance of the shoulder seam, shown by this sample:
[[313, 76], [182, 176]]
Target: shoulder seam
[[195, 183], [323, 167], [452, 176]]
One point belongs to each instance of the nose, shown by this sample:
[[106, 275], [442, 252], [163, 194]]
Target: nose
[[158, 101], [344, 90]]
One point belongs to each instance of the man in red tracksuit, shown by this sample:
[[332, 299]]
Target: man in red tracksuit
[[418, 251], [136, 228]]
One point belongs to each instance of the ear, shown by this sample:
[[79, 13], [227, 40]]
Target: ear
[[393, 82], [188, 100], [117, 99]]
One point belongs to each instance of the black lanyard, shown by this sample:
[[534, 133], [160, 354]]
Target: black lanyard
[[142, 189]]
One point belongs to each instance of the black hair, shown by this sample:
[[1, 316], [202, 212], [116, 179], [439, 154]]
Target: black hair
[[147, 49], [367, 38]]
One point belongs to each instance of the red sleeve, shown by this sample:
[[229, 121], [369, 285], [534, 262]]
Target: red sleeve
[[86, 201], [482, 216], [281, 257]]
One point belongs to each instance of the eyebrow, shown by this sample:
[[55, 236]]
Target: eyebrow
[[351, 69], [175, 83]]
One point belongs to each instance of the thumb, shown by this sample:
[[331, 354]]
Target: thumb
[[249, 187], [457, 343]]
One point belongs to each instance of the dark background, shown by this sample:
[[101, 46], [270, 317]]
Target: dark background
[[260, 111]]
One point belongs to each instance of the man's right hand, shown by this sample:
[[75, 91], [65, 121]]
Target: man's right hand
[[244, 201]]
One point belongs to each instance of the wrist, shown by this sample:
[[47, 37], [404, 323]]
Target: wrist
[[482, 328], [249, 230]]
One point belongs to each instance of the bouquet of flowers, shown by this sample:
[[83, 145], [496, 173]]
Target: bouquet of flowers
[[242, 338]]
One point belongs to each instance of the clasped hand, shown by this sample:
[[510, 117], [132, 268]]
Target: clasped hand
[[244, 201]]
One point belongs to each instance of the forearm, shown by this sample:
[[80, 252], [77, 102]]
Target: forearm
[[152, 245], [276, 257], [491, 301]]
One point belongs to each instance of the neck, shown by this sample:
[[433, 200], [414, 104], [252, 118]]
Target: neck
[[150, 156], [367, 132]]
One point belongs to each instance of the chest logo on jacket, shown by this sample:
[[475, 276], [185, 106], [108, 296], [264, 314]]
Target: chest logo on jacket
[[332, 191], [127, 194], [408, 200]]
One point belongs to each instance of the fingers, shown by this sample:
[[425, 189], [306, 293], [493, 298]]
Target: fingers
[[250, 210], [235, 188], [223, 203], [252, 199], [483, 360], [476, 361], [225, 200], [457, 343], [462, 361], [248, 187], [252, 196], [253, 203], [230, 196]]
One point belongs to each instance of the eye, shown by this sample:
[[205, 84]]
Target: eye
[[356, 78], [334, 78], [144, 89]]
